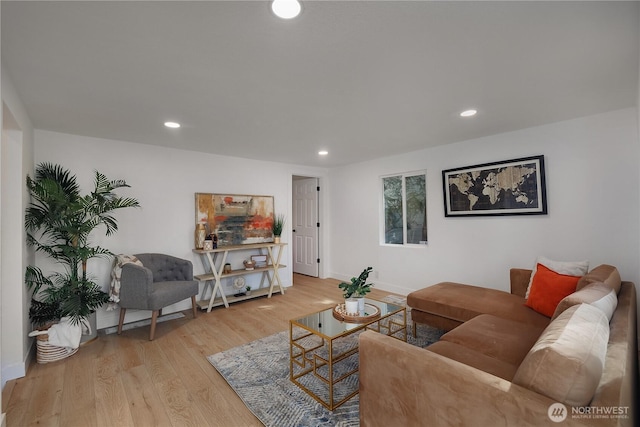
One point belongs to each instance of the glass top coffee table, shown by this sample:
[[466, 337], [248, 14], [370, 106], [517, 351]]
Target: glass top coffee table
[[324, 349]]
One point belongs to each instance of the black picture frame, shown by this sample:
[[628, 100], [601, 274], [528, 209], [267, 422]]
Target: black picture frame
[[509, 187]]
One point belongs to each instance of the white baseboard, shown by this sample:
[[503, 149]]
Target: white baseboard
[[13, 371], [140, 323], [3, 420]]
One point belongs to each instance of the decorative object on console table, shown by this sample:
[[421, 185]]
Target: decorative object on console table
[[357, 287], [259, 260], [235, 218], [239, 285], [249, 264], [201, 234], [278, 226], [208, 245], [510, 187]]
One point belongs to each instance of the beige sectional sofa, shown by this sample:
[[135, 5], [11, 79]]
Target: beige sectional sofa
[[504, 364]]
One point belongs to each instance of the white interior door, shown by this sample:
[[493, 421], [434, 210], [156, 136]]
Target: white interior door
[[305, 226]]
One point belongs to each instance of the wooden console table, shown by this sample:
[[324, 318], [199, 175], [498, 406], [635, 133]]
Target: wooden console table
[[214, 260]]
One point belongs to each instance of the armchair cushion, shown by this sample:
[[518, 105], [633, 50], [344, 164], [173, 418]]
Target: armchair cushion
[[167, 293]]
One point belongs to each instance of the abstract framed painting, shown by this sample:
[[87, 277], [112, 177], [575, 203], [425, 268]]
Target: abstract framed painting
[[509, 187], [236, 219]]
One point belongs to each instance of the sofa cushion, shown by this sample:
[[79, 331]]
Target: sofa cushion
[[607, 304], [548, 288], [464, 302], [570, 268], [567, 361], [597, 294], [604, 273], [492, 336], [475, 359]]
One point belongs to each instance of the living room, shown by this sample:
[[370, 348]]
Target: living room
[[593, 196]]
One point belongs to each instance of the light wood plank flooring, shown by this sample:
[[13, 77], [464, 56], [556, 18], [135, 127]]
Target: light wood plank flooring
[[128, 380]]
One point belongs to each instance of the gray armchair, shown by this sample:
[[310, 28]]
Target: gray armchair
[[163, 280]]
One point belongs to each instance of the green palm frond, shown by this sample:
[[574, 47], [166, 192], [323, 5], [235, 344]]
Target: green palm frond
[[56, 173], [79, 297], [35, 279], [118, 183], [42, 313]]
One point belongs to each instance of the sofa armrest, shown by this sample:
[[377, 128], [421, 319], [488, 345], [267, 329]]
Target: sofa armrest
[[401, 384], [519, 281]]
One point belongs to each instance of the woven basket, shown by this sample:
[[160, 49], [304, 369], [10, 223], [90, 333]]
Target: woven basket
[[46, 353]]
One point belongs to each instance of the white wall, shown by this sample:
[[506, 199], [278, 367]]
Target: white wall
[[165, 181], [592, 177], [17, 162]]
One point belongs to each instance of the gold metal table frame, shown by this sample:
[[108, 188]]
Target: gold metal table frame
[[319, 343]]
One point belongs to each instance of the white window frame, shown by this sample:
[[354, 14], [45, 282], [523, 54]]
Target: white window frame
[[404, 176]]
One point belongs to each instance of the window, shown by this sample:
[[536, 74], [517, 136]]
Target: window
[[405, 208]]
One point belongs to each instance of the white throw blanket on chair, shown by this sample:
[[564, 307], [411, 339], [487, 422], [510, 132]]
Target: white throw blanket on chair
[[116, 272]]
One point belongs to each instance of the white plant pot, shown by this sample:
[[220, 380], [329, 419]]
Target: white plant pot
[[351, 306]]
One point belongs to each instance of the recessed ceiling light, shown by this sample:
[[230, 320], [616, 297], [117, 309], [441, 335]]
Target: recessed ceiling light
[[286, 9], [468, 113], [323, 152], [172, 125]]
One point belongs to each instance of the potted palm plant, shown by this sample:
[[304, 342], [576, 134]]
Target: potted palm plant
[[59, 222], [277, 227]]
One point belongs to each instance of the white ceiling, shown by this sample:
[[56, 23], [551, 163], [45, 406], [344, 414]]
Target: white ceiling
[[362, 79]]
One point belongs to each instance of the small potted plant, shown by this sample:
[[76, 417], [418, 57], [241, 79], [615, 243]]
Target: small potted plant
[[248, 290], [277, 227], [357, 287]]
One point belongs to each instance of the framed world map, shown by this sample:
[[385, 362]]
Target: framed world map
[[510, 187]]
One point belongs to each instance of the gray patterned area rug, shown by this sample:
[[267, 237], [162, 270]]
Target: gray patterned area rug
[[259, 373]]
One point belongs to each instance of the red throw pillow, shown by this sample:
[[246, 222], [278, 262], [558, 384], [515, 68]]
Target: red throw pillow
[[548, 288]]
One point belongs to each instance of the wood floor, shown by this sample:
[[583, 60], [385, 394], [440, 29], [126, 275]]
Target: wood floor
[[128, 380]]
